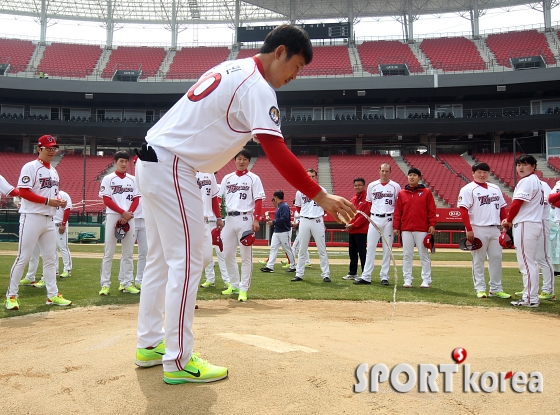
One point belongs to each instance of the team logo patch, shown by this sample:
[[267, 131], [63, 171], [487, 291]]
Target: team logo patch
[[460, 198], [102, 188], [25, 179], [274, 115]]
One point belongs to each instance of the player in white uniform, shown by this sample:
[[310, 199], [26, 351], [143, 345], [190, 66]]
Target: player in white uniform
[[311, 223], [525, 215], [382, 194], [295, 244], [212, 218], [141, 238], [483, 207], [120, 196], [205, 129], [554, 201], [244, 194], [543, 251], [60, 222], [38, 188], [6, 189]]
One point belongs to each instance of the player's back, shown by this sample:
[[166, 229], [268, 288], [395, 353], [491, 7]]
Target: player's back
[[218, 115]]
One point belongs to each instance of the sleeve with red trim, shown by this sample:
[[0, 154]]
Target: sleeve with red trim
[[360, 220], [503, 213], [14, 192], [27, 194], [66, 216], [288, 165], [554, 199], [514, 209], [465, 218], [258, 209], [134, 204], [108, 202], [216, 207]]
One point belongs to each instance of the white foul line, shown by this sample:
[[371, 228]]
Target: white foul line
[[267, 343]]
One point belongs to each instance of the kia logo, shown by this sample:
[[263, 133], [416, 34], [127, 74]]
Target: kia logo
[[454, 213]]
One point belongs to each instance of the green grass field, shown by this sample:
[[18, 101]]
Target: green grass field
[[451, 285]]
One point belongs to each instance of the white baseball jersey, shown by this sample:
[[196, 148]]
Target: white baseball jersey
[[59, 215], [309, 209], [546, 206], [5, 187], [41, 181], [139, 213], [483, 204], [208, 189], [122, 191], [556, 189], [241, 191], [207, 133], [383, 197], [529, 190]]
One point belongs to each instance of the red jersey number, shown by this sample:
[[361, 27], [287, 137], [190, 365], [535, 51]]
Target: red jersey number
[[204, 87]]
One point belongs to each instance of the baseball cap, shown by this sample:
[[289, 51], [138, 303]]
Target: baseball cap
[[247, 238], [467, 245], [429, 243], [217, 239], [121, 230], [47, 141]]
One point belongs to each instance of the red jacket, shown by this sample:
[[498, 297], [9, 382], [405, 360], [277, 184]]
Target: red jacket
[[359, 223], [415, 210]]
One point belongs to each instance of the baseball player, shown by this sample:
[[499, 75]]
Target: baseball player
[[38, 188], [483, 207], [311, 223], [281, 236], [60, 222], [120, 197], [414, 218], [6, 189], [229, 105], [295, 244], [141, 238], [525, 215], [543, 251], [554, 200], [244, 194], [381, 199], [212, 218]]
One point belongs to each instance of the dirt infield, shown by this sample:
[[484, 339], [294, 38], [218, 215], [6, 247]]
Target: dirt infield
[[284, 357]]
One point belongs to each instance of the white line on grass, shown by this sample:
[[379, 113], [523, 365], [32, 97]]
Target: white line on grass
[[267, 343]]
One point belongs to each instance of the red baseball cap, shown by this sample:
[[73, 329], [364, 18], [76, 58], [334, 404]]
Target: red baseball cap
[[47, 141]]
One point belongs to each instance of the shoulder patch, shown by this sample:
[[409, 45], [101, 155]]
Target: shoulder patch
[[25, 179], [274, 115], [102, 189]]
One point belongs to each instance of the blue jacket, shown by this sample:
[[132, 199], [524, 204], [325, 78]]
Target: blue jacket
[[282, 221]]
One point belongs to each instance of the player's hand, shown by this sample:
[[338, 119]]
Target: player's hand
[[431, 230], [470, 236], [63, 203], [270, 223], [349, 227], [61, 229], [256, 226], [340, 208], [397, 232], [127, 216], [56, 203], [506, 225], [219, 223], [123, 221]]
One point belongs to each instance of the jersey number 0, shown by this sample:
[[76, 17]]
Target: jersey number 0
[[204, 87]]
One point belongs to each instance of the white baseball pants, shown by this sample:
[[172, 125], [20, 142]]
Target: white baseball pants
[[231, 234], [126, 277], [527, 237], [62, 245], [409, 239], [295, 251], [373, 235], [174, 223], [142, 239], [544, 261], [34, 229], [281, 239], [491, 248], [209, 271], [315, 227]]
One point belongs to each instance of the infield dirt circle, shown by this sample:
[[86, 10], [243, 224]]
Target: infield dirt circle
[[284, 357]]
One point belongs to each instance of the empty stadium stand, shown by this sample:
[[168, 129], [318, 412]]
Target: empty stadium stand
[[345, 168], [69, 60], [134, 58], [191, 63], [17, 53], [247, 53], [554, 164], [453, 54], [11, 164], [272, 181], [439, 178], [328, 60], [519, 44], [387, 52]]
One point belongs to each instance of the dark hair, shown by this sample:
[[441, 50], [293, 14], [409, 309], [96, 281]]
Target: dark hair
[[279, 194], [295, 39], [480, 166], [359, 179], [121, 155], [244, 152], [415, 171], [526, 159], [312, 171]]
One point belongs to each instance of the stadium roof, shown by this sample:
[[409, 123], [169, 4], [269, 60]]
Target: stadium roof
[[251, 12]]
